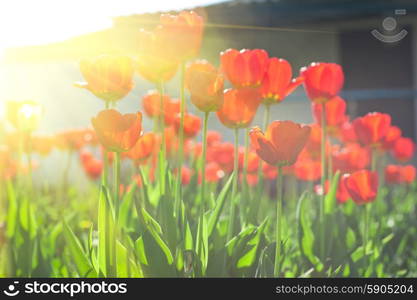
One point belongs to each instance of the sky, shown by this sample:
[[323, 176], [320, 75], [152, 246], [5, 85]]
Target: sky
[[33, 22]]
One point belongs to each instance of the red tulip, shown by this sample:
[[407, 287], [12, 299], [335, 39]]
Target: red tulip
[[192, 125], [117, 132], [335, 112], [253, 160], [185, 175], [278, 82], [270, 172], [205, 85], [403, 149], [322, 81], [350, 158], [108, 77], [239, 107], [245, 68], [307, 169], [408, 174], [391, 137], [223, 155], [313, 146], [393, 174], [372, 128], [342, 195], [213, 173], [213, 137], [92, 166], [282, 142], [362, 186], [346, 133]]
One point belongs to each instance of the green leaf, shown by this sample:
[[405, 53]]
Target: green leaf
[[350, 238], [215, 215], [305, 234], [12, 209], [330, 199], [27, 218], [140, 251], [154, 229], [249, 257], [84, 267], [202, 243], [106, 237]]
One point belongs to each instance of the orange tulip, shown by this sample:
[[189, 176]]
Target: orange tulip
[[372, 128], [108, 77], [182, 33], [245, 68], [278, 82], [8, 167], [239, 107], [117, 132], [362, 186], [403, 149], [144, 147], [42, 145], [282, 142], [75, 139], [154, 63], [322, 81], [205, 85]]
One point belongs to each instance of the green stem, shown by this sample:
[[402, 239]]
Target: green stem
[[230, 230], [365, 232], [116, 184], [161, 91], [181, 139], [278, 227], [260, 168], [323, 177], [245, 162], [203, 163]]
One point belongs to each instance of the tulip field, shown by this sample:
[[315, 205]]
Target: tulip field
[[334, 198]]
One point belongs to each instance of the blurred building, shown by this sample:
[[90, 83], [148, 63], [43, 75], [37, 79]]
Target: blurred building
[[380, 67]]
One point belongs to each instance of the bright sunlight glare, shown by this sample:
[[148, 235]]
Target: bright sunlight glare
[[28, 22]]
